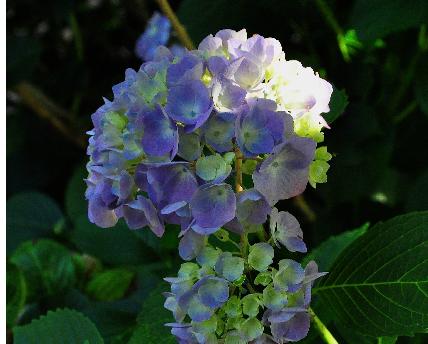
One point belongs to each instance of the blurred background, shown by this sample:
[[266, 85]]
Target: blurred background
[[63, 56]]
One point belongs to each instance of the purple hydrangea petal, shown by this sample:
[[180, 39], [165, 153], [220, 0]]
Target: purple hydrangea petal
[[285, 173], [146, 206], [101, 215], [286, 229], [191, 244], [160, 134], [252, 207], [170, 183], [259, 129], [188, 68], [214, 292], [292, 330], [213, 206]]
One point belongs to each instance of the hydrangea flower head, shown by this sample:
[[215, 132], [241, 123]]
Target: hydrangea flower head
[[171, 147], [156, 34]]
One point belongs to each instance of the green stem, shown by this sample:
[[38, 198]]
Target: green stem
[[329, 17], [405, 112], [322, 329], [181, 32]]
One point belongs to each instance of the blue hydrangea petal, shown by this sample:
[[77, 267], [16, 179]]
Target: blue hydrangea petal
[[191, 244], [213, 206], [157, 33], [285, 173], [259, 129], [198, 311], [189, 103], [214, 292], [160, 134], [188, 68]]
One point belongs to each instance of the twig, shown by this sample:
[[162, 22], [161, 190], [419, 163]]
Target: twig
[[48, 110], [301, 203], [405, 112], [181, 32], [322, 329]]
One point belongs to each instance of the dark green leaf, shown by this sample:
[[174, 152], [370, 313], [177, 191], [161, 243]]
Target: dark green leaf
[[338, 104], [47, 266], [30, 215], [109, 285], [63, 326], [377, 18], [150, 328], [117, 245], [75, 203], [16, 293], [387, 340], [326, 253], [379, 285]]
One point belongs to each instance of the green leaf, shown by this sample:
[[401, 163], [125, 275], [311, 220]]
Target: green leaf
[[63, 326], [117, 245], [386, 340], [338, 103], [30, 215], [150, 328], [379, 284], [326, 253], [47, 266], [377, 18], [16, 293], [109, 285], [75, 203]]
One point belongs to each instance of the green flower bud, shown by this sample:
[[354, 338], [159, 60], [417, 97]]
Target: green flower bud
[[273, 299], [263, 278], [233, 307], [208, 256], [260, 256], [252, 328], [251, 304]]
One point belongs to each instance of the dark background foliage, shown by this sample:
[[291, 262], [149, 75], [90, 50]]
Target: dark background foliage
[[63, 56]]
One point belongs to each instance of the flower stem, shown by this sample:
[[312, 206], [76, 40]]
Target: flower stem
[[238, 170], [322, 329], [181, 32]]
